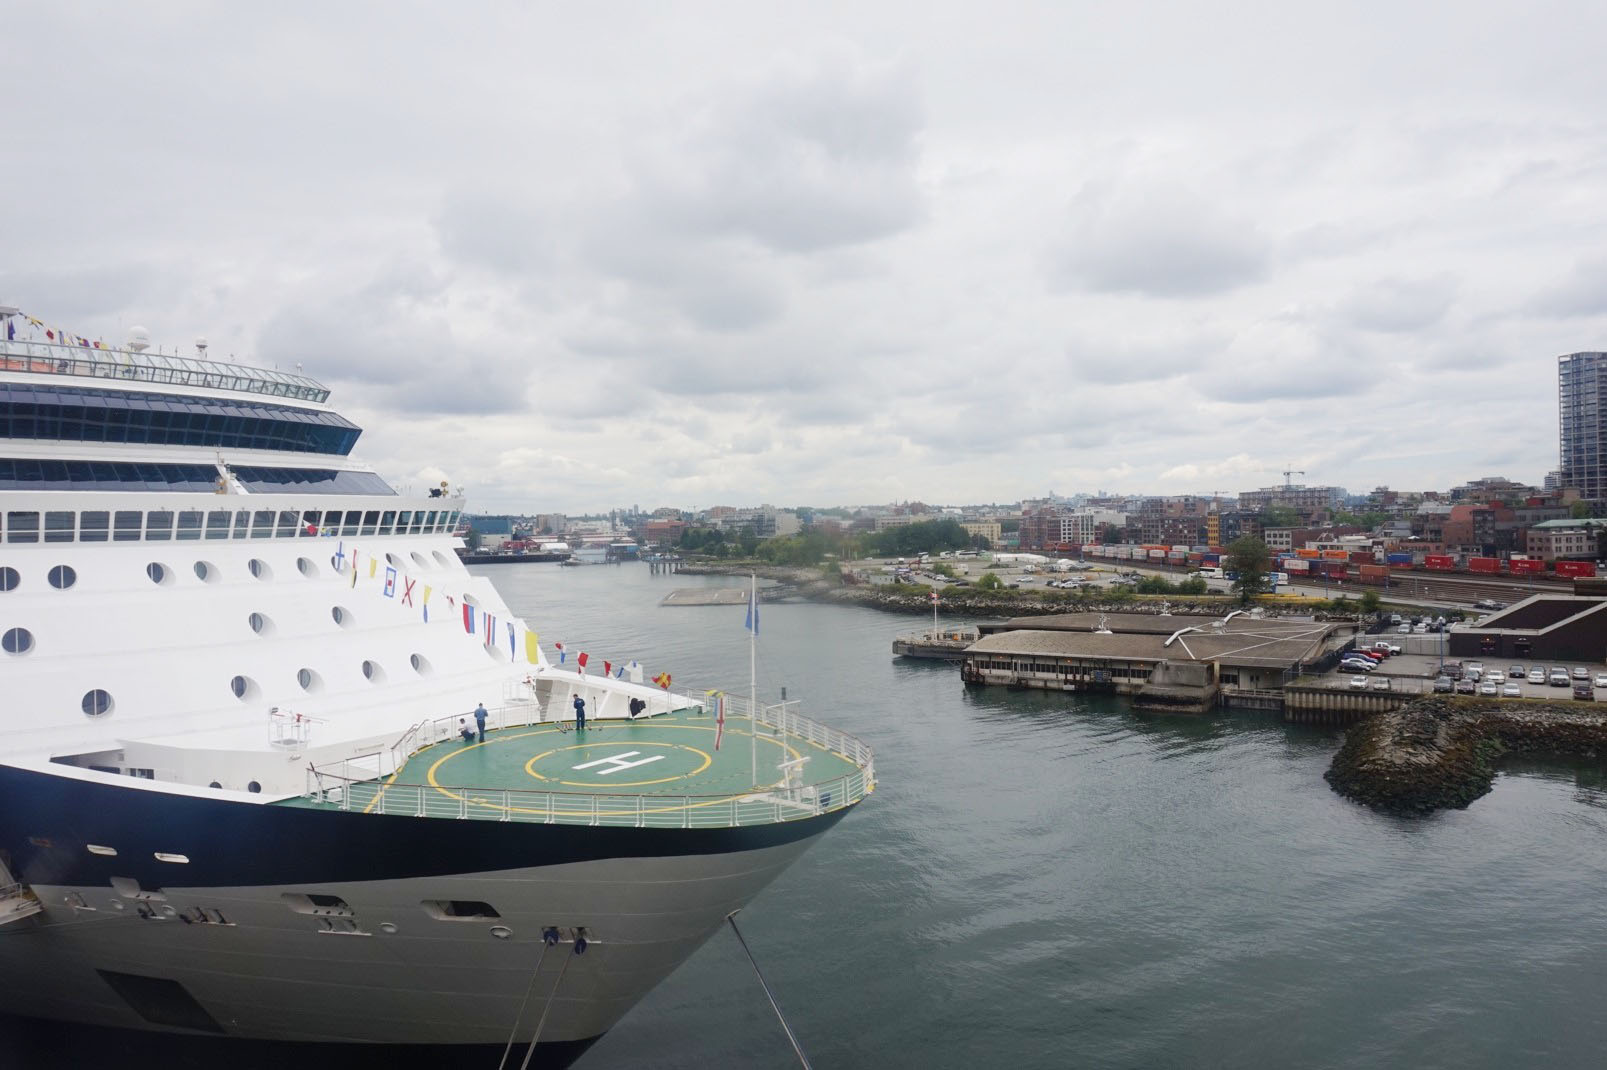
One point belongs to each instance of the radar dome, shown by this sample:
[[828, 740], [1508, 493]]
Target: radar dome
[[200, 345], [139, 339]]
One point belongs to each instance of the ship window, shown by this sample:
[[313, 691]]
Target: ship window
[[93, 525], [253, 787], [9, 578], [306, 567], [349, 525], [217, 524], [242, 521], [205, 571], [189, 525], [22, 527], [62, 577], [244, 688], [96, 703], [157, 572], [158, 526], [342, 615], [373, 671], [387, 523], [313, 903], [421, 664], [459, 910], [165, 856], [262, 526], [17, 641], [288, 524], [59, 527], [370, 521], [260, 569], [309, 680], [127, 526], [404, 521], [97, 849], [429, 521], [260, 624]]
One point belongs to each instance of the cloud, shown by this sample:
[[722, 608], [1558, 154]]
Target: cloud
[[1159, 240], [1399, 305], [1583, 292]]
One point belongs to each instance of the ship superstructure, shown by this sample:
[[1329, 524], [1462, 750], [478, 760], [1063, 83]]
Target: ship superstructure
[[235, 797]]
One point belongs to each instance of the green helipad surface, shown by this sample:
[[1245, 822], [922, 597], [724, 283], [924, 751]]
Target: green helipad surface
[[661, 770]]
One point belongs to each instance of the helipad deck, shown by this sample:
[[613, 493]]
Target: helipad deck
[[662, 771]]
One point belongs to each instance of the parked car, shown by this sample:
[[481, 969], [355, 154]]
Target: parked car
[[1357, 666], [1472, 665], [1512, 691], [1516, 672], [1489, 689], [1496, 676], [1584, 693], [1381, 684], [1537, 676], [1404, 629], [1601, 679], [1358, 683], [1466, 687], [1444, 685], [1420, 629], [1474, 673], [1581, 673], [1559, 679]]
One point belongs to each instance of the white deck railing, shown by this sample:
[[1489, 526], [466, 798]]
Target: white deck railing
[[361, 782]]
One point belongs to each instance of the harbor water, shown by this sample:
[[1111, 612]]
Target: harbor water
[[1052, 880]]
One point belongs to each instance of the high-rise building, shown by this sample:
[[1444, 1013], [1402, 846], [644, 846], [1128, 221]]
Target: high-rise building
[[1582, 432]]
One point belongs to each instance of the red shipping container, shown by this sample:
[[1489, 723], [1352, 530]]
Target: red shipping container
[[1576, 568], [1374, 571], [1526, 565], [1483, 564], [1444, 562], [1361, 557]]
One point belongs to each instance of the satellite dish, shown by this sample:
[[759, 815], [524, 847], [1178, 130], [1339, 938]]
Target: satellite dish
[[139, 339]]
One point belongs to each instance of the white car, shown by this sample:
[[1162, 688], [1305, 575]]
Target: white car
[[1496, 676], [1512, 691], [1404, 629], [1601, 679], [1381, 684], [1358, 683], [1537, 676], [1489, 689]]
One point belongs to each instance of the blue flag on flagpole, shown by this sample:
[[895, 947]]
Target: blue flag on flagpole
[[752, 623]]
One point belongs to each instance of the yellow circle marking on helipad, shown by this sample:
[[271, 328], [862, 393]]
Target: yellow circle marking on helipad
[[708, 760]]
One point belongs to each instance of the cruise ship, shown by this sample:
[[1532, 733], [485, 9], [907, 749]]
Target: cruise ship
[[244, 797]]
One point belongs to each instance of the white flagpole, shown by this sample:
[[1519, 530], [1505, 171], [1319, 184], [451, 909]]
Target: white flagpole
[[753, 679]]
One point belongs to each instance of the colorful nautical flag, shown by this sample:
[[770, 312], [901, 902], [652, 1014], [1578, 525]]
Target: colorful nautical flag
[[513, 649], [581, 661], [533, 648], [407, 591], [373, 566], [662, 680], [608, 668], [390, 582], [426, 601], [635, 669], [619, 671], [468, 618], [563, 654], [753, 612]]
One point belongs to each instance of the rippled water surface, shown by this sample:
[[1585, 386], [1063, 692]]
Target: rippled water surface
[[1051, 881]]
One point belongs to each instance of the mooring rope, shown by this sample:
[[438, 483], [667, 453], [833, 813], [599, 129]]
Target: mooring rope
[[580, 949], [548, 938], [803, 1060]]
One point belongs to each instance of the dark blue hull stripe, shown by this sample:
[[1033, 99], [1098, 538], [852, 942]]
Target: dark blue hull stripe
[[47, 821]]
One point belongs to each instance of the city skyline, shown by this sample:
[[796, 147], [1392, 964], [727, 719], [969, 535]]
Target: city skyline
[[566, 259]]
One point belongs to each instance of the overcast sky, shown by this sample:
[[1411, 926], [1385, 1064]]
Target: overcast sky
[[574, 256]]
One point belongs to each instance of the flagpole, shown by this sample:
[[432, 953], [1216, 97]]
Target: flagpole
[[753, 679]]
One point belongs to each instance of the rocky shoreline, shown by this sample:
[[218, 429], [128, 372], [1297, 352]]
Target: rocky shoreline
[[1440, 753]]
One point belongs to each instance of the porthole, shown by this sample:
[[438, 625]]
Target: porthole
[[17, 641], [309, 680], [259, 569], [63, 577], [396, 562], [260, 624], [254, 788], [372, 670], [96, 703], [418, 559], [244, 688], [205, 571], [421, 664], [307, 568], [9, 578], [441, 558], [157, 572], [342, 616]]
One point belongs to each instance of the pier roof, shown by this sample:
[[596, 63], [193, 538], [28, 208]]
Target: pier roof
[[1254, 644]]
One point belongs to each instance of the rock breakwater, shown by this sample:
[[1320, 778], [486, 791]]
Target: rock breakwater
[[1441, 753]]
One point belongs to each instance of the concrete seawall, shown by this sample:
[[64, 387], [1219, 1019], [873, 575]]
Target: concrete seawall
[[1441, 753]]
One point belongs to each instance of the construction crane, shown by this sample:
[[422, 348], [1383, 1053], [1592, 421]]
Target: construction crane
[[1287, 472]]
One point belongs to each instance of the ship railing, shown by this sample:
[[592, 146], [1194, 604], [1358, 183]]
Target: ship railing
[[366, 783], [55, 358]]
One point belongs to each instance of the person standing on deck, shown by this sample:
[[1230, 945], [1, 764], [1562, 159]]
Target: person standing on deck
[[580, 714], [479, 720]]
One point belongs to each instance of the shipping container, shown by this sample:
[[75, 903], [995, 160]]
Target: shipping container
[[1297, 564], [1362, 557], [1211, 559], [1525, 565], [1574, 569], [1175, 558], [1333, 570], [1442, 562], [1374, 571], [1179, 549], [1483, 564], [1309, 554], [1195, 559], [1335, 555], [1157, 555], [1398, 559]]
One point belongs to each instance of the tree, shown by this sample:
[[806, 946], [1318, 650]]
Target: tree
[[1579, 510], [1248, 557], [989, 581], [1369, 602]]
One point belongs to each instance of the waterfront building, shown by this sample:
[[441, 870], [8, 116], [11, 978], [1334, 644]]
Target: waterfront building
[[1565, 539], [1582, 432]]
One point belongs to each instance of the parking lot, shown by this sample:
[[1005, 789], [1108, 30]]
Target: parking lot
[[1415, 674]]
